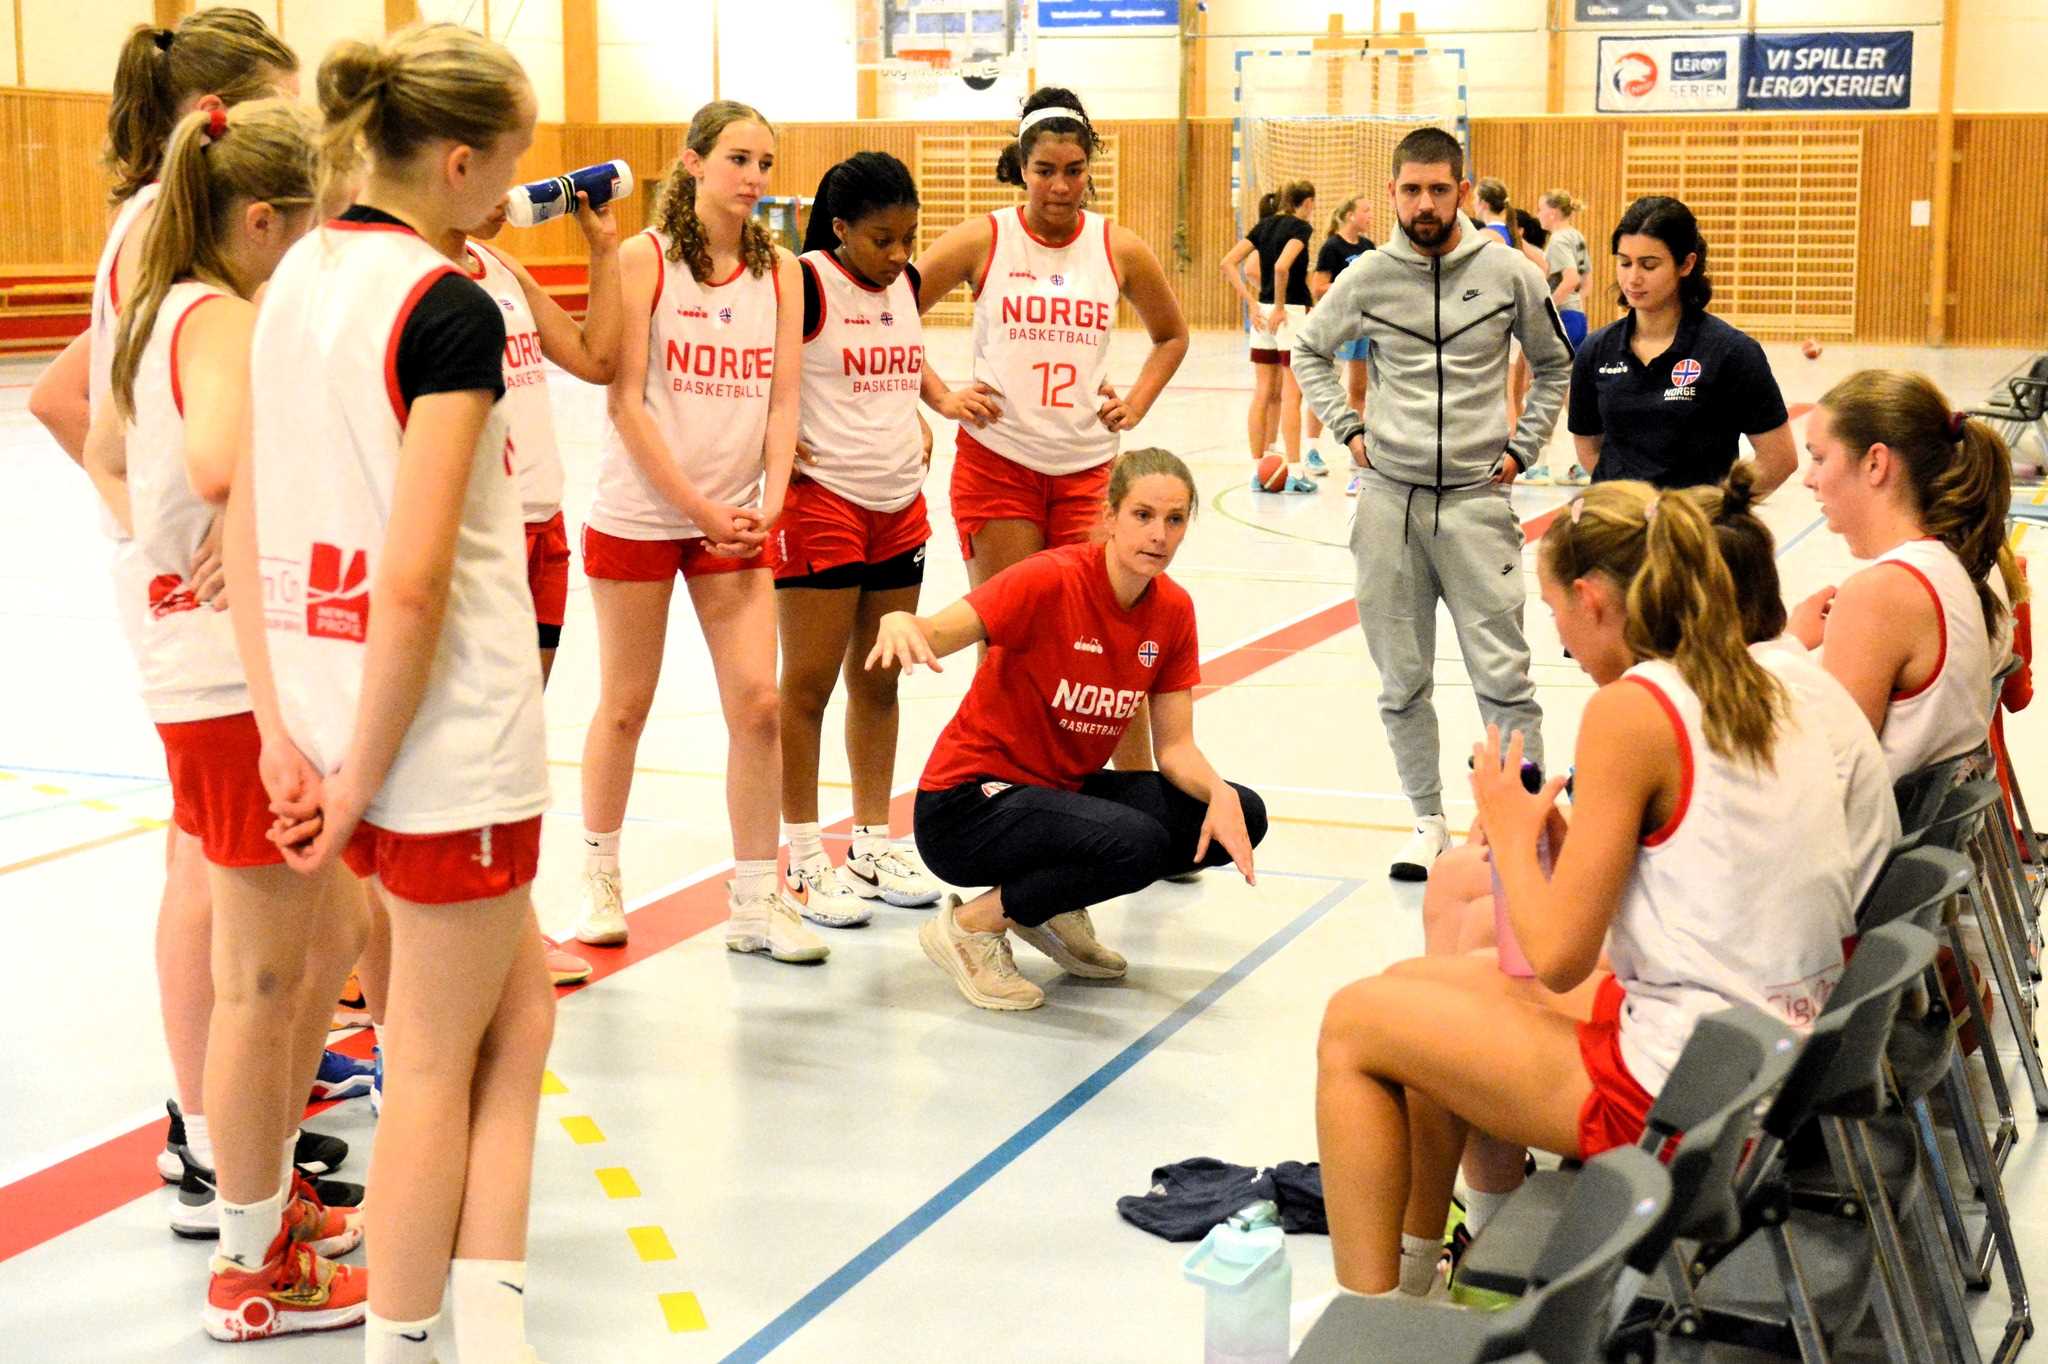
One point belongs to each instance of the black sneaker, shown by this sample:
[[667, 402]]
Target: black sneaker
[[319, 1154], [170, 1162]]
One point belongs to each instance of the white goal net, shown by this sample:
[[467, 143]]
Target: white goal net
[[1334, 117]]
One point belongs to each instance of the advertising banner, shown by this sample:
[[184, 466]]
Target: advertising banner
[[1700, 73], [1108, 14], [1658, 11], [1828, 71]]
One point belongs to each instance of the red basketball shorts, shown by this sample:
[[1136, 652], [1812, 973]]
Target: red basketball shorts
[[217, 793], [1066, 508], [616, 559], [1614, 1112], [446, 869], [547, 569], [822, 530]]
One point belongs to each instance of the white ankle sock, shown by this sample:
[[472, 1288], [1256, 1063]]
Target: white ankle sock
[[805, 843], [487, 1298], [247, 1229], [1418, 1263], [399, 1342], [1480, 1208], [600, 852], [870, 840], [199, 1140], [753, 878]]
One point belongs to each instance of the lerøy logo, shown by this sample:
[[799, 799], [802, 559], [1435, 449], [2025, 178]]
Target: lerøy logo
[[338, 593]]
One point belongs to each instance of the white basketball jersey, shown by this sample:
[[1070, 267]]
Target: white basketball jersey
[[710, 360], [862, 369], [1042, 319], [536, 461], [103, 326], [1949, 714], [185, 652], [1743, 898], [1821, 701], [328, 427]]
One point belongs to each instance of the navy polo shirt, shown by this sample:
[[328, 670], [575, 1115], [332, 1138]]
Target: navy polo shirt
[[1674, 421]]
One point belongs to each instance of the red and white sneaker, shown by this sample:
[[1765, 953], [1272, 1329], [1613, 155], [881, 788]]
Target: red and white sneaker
[[321, 1229], [294, 1290]]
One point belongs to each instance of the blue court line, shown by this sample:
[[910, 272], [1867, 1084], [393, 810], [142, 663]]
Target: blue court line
[[80, 800], [883, 1248], [75, 772], [1811, 527]]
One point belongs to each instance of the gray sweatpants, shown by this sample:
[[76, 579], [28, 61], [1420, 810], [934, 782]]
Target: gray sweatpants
[[1412, 551]]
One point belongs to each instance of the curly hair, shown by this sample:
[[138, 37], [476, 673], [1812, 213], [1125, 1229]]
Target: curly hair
[[678, 220]]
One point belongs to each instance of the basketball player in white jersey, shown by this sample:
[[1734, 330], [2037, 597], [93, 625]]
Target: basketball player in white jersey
[[850, 546], [1922, 491], [239, 192], [1047, 276], [695, 470], [1704, 813], [378, 572], [212, 59]]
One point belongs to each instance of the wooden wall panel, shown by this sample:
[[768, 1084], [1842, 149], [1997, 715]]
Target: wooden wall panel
[[50, 175], [1998, 261]]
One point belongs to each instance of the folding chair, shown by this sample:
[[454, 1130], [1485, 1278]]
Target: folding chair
[[1618, 1201], [2022, 406]]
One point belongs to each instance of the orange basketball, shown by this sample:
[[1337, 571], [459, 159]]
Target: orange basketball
[[1810, 349], [1273, 473]]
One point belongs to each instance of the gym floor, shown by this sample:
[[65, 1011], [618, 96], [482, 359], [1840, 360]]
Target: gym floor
[[739, 1158]]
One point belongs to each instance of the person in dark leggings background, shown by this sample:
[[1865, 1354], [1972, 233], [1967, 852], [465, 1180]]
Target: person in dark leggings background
[[1015, 796]]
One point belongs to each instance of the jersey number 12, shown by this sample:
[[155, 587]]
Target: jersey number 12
[[1049, 391]]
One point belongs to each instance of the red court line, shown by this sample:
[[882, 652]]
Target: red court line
[[95, 1182]]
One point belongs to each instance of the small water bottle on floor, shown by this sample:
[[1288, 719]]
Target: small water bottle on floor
[[1242, 1265], [541, 201]]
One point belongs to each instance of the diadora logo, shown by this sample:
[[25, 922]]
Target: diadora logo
[[887, 319], [506, 304], [1088, 645], [691, 312], [170, 594], [1685, 373], [338, 593], [725, 317], [859, 321], [1148, 653], [482, 857], [1612, 369], [1022, 274]]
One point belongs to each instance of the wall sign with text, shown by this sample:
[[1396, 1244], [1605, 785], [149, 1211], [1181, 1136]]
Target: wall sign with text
[[1658, 11], [1763, 72], [1108, 14]]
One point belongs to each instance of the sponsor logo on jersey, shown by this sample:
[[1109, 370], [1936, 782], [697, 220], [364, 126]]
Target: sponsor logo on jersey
[[691, 312], [858, 321], [1088, 645], [1059, 280], [338, 593], [1022, 274], [1612, 369], [887, 319], [725, 317], [1148, 653], [1469, 295], [1685, 373], [482, 857], [993, 789], [170, 594]]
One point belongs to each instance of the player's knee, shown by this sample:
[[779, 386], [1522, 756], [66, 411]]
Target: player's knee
[[1254, 807], [755, 711], [624, 714], [524, 1027]]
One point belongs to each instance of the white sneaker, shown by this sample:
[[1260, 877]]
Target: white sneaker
[[979, 964], [1432, 836], [603, 921], [1070, 940], [895, 876], [766, 923], [815, 891]]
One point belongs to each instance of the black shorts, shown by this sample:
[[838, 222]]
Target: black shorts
[[903, 570]]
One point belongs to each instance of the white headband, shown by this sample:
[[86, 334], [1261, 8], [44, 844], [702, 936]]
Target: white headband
[[1040, 115]]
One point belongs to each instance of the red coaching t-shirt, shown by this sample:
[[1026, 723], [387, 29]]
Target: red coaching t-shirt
[[1065, 671]]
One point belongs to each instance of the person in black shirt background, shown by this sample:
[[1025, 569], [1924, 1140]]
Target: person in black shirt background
[[1662, 394], [1277, 247], [1346, 243]]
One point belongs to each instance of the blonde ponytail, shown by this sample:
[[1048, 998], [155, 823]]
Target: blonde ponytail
[[423, 83], [218, 163], [1956, 469], [677, 216], [225, 52], [1681, 603]]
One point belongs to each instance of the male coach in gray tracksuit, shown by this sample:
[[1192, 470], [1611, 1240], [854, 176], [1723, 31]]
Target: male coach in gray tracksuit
[[1439, 302]]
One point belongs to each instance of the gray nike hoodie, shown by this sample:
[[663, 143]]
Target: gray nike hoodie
[[1439, 327]]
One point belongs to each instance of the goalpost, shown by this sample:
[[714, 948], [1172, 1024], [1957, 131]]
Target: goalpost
[[1333, 118]]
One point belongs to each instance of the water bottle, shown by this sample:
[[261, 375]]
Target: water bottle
[[530, 205], [1512, 961], [1243, 1266]]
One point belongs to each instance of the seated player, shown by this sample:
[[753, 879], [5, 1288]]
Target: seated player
[[1015, 796]]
